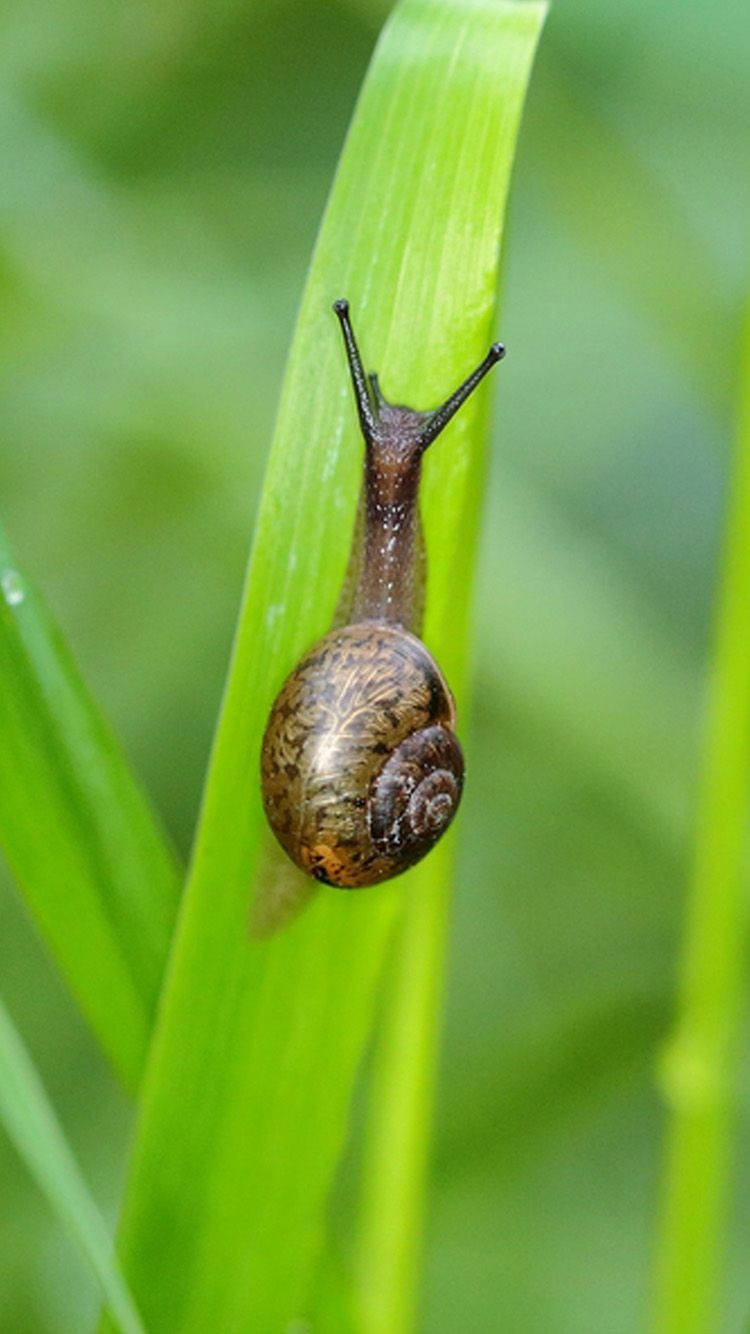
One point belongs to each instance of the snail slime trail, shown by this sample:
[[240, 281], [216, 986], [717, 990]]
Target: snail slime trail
[[361, 770]]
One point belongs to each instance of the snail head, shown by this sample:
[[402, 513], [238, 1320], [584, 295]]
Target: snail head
[[392, 427]]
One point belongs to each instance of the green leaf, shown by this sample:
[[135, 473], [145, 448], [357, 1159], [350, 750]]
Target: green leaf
[[247, 1095], [32, 1126], [79, 837], [699, 1069]]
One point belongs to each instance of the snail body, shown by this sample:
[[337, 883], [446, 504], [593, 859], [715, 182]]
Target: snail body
[[361, 771]]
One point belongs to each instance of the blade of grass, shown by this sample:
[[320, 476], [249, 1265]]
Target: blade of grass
[[247, 1092], [31, 1124], [399, 1115], [90, 861], [699, 1067]]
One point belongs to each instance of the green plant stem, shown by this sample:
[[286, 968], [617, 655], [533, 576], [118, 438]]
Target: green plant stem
[[700, 1062], [400, 1115]]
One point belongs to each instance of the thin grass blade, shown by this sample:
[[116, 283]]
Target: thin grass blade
[[78, 834], [699, 1070], [30, 1121], [247, 1094]]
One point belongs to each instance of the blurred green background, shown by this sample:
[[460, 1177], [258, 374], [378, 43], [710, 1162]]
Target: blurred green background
[[164, 168]]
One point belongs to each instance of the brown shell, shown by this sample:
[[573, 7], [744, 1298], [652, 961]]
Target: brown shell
[[361, 772]]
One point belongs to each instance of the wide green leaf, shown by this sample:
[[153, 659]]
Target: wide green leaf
[[85, 849], [247, 1093], [30, 1121]]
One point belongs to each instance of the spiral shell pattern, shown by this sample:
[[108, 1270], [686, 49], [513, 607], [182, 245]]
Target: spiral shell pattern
[[361, 771], [415, 795]]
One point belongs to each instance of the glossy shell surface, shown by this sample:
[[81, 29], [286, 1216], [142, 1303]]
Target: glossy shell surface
[[361, 772]]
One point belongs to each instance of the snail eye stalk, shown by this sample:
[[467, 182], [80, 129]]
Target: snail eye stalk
[[439, 419], [357, 372]]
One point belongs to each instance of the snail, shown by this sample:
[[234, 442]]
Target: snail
[[360, 766]]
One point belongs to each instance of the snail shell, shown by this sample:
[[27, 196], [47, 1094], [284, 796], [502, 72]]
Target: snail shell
[[361, 770]]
